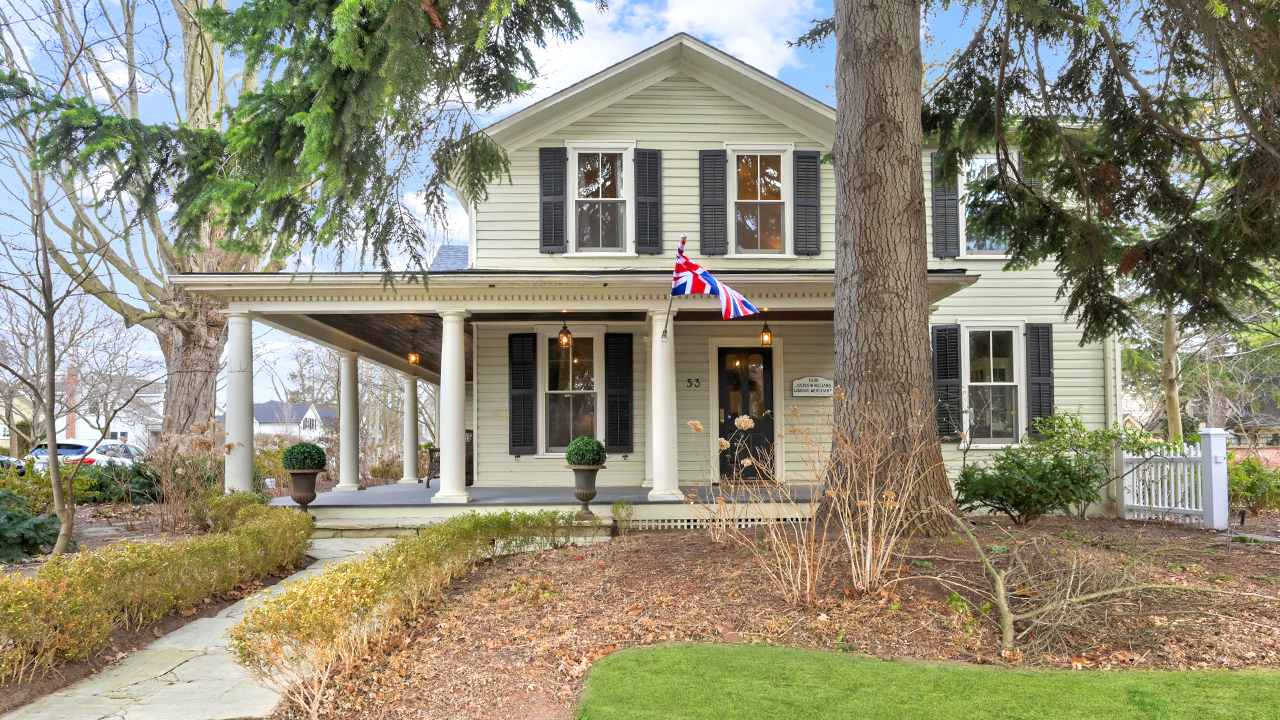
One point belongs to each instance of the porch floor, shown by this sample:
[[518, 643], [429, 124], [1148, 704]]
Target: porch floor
[[416, 495]]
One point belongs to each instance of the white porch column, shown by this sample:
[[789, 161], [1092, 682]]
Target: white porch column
[[451, 428], [410, 450], [662, 384], [348, 422], [239, 464], [648, 414]]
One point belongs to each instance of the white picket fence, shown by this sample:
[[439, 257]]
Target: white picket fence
[[1185, 486]]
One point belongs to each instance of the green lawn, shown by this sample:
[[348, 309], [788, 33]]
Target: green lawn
[[746, 682]]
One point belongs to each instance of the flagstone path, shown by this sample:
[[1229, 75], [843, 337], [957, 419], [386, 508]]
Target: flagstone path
[[185, 675]]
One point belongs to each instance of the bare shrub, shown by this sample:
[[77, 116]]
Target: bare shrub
[[875, 466], [185, 466], [1053, 599], [775, 522]]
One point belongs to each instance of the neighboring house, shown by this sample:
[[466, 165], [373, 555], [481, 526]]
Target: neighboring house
[[135, 422], [605, 177], [301, 419]]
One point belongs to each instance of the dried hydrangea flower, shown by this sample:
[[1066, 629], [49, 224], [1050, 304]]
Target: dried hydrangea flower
[[723, 444], [744, 422], [695, 426]]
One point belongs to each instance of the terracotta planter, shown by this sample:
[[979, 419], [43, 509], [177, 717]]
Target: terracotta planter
[[584, 487], [304, 487]]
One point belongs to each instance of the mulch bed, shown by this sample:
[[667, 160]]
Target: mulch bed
[[515, 638], [124, 642]]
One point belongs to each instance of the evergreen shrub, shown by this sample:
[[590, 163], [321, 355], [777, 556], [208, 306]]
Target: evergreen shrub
[[585, 451]]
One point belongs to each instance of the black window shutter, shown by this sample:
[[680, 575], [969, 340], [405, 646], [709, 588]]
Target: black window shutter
[[619, 408], [553, 165], [648, 201], [946, 215], [522, 357], [808, 210], [1025, 171], [946, 380], [1039, 374], [713, 195]]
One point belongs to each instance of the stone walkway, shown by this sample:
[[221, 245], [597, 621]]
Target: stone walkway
[[185, 675]]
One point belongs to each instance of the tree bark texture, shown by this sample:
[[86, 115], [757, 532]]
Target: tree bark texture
[[883, 354], [192, 349], [1169, 374]]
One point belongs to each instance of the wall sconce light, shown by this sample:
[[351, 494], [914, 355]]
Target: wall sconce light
[[766, 335], [566, 337]]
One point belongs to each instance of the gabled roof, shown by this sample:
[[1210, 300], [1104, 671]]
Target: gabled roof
[[680, 53], [275, 411]]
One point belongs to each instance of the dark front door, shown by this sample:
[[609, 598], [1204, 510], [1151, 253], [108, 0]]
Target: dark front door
[[746, 390]]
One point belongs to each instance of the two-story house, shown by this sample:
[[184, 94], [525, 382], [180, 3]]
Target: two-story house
[[555, 322]]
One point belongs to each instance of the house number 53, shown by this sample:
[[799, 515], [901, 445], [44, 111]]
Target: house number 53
[[693, 382]]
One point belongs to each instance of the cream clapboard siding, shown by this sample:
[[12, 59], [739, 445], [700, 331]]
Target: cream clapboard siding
[[494, 463], [678, 116]]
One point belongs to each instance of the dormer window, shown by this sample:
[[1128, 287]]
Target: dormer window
[[600, 179]]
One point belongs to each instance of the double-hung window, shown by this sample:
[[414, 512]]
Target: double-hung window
[[974, 243], [992, 396], [600, 176], [760, 196], [571, 378]]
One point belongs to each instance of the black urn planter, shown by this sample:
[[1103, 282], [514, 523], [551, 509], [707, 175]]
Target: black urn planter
[[584, 487], [304, 487]]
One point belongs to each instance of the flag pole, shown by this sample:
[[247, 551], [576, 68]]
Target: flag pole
[[670, 299]]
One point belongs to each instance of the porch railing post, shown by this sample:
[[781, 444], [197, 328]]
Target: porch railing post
[[1214, 495]]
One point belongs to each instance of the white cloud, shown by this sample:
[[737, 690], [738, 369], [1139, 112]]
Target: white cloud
[[755, 31]]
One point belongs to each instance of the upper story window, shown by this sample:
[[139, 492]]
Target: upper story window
[[601, 189], [600, 206], [758, 208], [760, 197], [992, 396], [980, 167]]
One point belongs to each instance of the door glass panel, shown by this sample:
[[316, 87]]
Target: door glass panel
[[755, 384], [733, 375]]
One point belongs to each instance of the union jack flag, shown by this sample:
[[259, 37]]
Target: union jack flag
[[692, 279]]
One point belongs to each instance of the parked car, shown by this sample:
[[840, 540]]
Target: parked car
[[7, 462], [67, 452], [116, 452]]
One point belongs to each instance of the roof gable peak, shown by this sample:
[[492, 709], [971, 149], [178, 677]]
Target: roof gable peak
[[679, 54]]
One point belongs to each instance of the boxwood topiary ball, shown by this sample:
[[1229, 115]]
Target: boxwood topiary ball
[[303, 456], [585, 451]]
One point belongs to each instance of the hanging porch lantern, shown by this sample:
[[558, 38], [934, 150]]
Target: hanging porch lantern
[[566, 337], [413, 348], [766, 335]]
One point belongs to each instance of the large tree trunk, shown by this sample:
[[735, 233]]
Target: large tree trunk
[[882, 299], [192, 352], [1169, 374]]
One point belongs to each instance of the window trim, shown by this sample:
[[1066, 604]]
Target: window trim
[[628, 150], [547, 332], [1019, 328], [962, 204], [733, 149]]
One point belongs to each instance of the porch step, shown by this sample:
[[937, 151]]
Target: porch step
[[396, 527]]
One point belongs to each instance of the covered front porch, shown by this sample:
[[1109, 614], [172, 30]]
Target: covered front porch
[[510, 395], [401, 508]]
